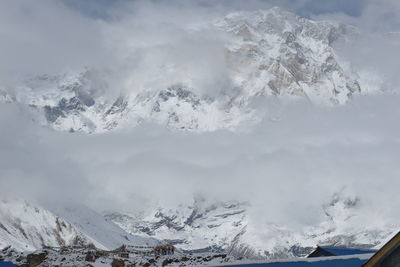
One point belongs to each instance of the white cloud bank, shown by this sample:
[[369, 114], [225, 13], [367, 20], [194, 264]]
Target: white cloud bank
[[300, 161]]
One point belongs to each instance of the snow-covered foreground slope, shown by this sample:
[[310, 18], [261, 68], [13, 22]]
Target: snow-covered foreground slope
[[263, 53], [228, 227], [102, 233], [76, 256], [29, 226]]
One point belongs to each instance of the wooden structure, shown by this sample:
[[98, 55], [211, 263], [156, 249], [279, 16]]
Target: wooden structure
[[388, 255]]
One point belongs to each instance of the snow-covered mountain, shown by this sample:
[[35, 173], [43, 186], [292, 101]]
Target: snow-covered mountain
[[101, 232], [227, 226], [200, 226], [266, 52], [28, 226], [204, 226]]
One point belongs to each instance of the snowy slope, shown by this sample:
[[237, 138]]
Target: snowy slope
[[201, 226], [102, 233], [29, 226], [266, 53]]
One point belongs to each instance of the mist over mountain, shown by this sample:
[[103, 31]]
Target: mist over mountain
[[258, 131], [247, 57]]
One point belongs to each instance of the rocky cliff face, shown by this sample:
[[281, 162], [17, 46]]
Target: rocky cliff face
[[279, 53], [266, 53]]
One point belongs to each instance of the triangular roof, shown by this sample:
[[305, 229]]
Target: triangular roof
[[385, 251]]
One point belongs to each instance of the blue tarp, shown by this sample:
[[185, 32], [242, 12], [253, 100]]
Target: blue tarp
[[342, 251], [7, 264], [327, 263], [324, 263]]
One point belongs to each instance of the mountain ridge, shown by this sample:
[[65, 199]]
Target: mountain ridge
[[27, 226], [228, 227], [268, 53]]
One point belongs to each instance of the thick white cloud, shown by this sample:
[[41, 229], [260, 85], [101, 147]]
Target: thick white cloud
[[46, 37], [373, 53], [310, 154], [135, 38], [375, 16]]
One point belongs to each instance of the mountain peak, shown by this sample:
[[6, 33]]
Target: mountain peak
[[269, 53]]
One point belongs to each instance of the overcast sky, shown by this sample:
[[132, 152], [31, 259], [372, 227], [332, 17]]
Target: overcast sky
[[54, 36], [302, 160], [104, 8], [386, 9]]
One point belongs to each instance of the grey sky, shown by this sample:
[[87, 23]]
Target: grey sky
[[103, 8], [54, 36], [382, 15]]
